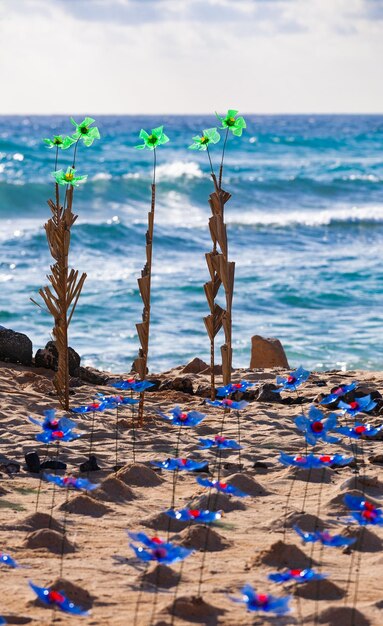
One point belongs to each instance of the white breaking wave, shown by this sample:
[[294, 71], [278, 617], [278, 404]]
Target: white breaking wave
[[322, 217], [177, 169]]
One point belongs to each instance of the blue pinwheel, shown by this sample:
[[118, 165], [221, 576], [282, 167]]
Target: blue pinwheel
[[360, 405], [114, 401], [313, 461], [51, 436], [315, 427], [70, 482], [263, 602], [180, 464], [228, 404], [363, 511], [51, 597], [338, 392], [166, 553], [96, 406], [359, 430], [296, 575], [6, 559], [148, 542], [221, 443], [133, 385], [195, 515], [2, 620], [333, 541], [292, 381], [50, 422], [221, 487], [244, 385], [178, 418]]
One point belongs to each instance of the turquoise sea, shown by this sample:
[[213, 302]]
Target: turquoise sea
[[305, 227]]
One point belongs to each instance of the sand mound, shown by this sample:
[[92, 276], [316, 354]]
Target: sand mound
[[194, 609], [40, 520], [321, 590], [336, 505], [203, 538], [281, 554], [160, 576], [49, 539], [139, 475], [341, 616], [75, 593], [369, 485], [220, 502], [161, 521], [84, 505], [247, 484], [316, 476], [112, 489], [305, 521], [366, 541]]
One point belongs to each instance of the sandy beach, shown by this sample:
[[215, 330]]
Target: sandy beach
[[100, 571]]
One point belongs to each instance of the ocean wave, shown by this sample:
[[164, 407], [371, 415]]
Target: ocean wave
[[323, 217], [178, 169]]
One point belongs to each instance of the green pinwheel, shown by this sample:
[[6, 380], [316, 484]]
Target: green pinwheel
[[68, 177], [59, 141], [232, 122], [85, 132], [152, 141], [210, 135]]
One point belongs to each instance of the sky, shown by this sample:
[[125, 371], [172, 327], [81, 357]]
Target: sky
[[190, 56]]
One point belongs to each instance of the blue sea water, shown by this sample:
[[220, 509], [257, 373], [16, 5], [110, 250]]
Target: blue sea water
[[305, 227]]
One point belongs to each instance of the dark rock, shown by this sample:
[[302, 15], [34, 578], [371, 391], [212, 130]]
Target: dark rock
[[195, 366], [53, 464], [32, 462], [267, 352], [48, 358], [266, 393], [90, 465], [10, 467], [156, 382], [180, 383], [203, 391], [15, 347], [93, 376]]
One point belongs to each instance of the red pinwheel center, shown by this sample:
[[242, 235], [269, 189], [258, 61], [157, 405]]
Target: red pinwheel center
[[222, 485], [52, 424], [359, 430], [291, 379], [262, 599], [157, 540], [354, 405], [369, 515], [325, 459], [219, 439], [56, 597], [295, 572], [58, 434], [194, 512], [369, 506], [184, 461], [237, 386], [94, 405], [317, 427], [325, 536], [300, 459], [130, 380], [159, 553], [227, 402], [183, 417]]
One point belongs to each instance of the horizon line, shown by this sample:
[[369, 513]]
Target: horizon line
[[136, 114]]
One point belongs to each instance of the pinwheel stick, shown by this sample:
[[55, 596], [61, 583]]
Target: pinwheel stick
[[144, 285], [61, 297]]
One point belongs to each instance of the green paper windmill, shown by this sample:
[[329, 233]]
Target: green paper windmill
[[85, 132], [68, 177], [210, 135], [232, 123], [59, 141], [156, 138]]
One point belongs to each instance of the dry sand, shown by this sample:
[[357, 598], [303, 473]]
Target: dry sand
[[100, 570]]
